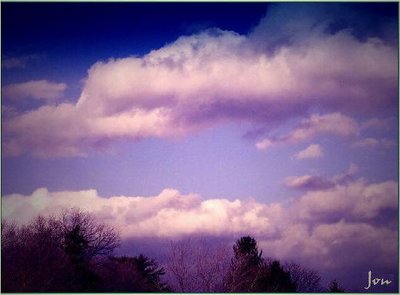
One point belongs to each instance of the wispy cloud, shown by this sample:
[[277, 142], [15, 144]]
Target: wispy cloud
[[308, 182], [264, 144], [36, 89], [376, 123], [320, 183], [328, 124], [311, 152], [334, 123], [18, 62], [370, 142]]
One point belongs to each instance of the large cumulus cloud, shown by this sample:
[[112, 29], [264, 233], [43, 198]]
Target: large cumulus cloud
[[169, 214], [211, 77]]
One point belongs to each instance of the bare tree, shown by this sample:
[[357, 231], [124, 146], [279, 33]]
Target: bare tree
[[32, 257], [96, 239], [306, 280], [194, 266], [211, 266], [181, 267], [54, 254]]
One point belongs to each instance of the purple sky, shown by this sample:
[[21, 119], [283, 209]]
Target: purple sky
[[281, 123]]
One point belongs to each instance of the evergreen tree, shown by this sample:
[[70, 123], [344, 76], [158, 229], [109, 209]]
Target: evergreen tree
[[273, 278], [249, 272], [334, 287], [244, 266], [133, 274]]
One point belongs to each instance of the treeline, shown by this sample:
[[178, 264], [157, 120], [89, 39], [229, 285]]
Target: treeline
[[74, 253]]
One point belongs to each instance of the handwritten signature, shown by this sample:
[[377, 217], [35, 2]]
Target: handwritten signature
[[376, 281]]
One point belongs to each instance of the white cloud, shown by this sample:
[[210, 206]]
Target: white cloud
[[336, 247], [356, 199], [264, 144], [335, 124], [335, 226], [66, 131], [169, 214], [310, 152], [211, 77], [38, 89]]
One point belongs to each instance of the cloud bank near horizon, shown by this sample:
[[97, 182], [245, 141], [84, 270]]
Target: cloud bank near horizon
[[347, 216], [216, 76]]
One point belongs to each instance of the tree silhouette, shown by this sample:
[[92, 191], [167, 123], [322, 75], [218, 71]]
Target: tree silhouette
[[150, 270], [132, 274], [55, 254], [32, 257], [246, 249], [196, 266], [244, 267], [334, 287], [83, 233], [273, 278], [73, 253], [306, 280], [249, 272]]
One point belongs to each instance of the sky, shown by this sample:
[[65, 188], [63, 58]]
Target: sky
[[168, 120]]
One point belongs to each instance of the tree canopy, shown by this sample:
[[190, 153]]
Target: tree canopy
[[70, 253], [73, 252]]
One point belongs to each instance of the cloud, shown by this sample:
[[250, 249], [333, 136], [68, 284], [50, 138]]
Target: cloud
[[65, 131], [374, 143], [353, 168], [335, 226], [308, 182], [169, 214], [334, 123], [353, 200], [17, 62], [264, 144], [320, 183], [342, 250], [38, 89], [219, 76], [310, 152], [328, 124], [376, 123], [329, 199]]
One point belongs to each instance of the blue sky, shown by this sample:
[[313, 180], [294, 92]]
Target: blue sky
[[229, 113]]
